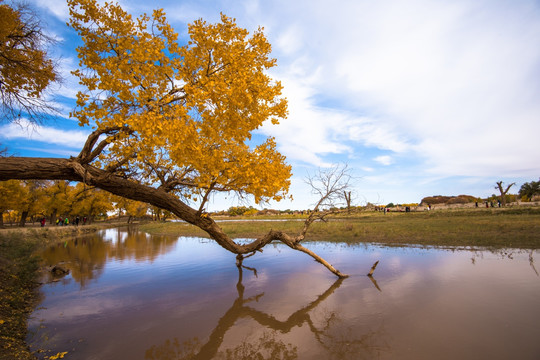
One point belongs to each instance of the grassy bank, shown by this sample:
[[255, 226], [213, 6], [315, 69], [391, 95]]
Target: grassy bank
[[495, 228], [19, 290]]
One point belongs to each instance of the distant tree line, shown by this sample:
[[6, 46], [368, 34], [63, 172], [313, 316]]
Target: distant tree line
[[529, 190], [32, 200], [526, 193]]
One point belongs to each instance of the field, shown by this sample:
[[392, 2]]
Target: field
[[492, 228]]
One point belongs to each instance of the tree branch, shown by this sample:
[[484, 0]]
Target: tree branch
[[205, 198], [88, 153], [74, 170]]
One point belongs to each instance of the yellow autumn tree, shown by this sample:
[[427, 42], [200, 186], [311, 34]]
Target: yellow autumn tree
[[11, 195], [26, 70], [90, 202], [173, 122], [181, 115], [130, 208]]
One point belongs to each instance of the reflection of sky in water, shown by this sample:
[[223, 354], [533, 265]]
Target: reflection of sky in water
[[429, 303]]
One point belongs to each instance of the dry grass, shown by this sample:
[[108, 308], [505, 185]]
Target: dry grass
[[496, 228]]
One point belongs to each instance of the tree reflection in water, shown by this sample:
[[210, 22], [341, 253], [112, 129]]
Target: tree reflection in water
[[86, 257], [340, 343]]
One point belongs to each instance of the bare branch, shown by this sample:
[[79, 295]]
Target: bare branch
[[205, 197], [330, 185]]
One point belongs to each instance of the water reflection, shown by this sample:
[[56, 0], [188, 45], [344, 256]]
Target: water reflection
[[339, 344], [86, 257], [505, 253], [133, 296]]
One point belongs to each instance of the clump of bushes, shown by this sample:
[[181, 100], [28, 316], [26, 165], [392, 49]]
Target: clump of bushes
[[448, 200]]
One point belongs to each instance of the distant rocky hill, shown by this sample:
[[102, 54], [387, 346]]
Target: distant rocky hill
[[448, 200]]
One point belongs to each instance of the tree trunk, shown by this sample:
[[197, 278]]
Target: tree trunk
[[70, 169], [503, 192], [52, 218], [24, 215], [347, 195]]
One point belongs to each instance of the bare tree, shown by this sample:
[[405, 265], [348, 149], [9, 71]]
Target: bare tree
[[350, 198], [503, 192], [329, 185]]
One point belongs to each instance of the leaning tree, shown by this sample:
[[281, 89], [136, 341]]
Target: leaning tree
[[503, 191], [172, 124]]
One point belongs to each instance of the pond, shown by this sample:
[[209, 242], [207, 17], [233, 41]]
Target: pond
[[130, 295]]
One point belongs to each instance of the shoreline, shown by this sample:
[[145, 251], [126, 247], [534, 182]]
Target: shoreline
[[19, 288]]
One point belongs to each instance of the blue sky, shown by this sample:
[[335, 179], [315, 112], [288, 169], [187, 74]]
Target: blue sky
[[418, 97]]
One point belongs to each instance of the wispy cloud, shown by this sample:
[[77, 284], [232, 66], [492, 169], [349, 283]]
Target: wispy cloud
[[416, 90], [443, 80], [384, 159], [310, 131], [45, 134], [57, 8]]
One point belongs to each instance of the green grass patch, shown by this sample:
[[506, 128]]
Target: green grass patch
[[494, 228]]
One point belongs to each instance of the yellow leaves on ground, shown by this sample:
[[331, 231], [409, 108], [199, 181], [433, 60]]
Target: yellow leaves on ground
[[59, 355], [193, 107]]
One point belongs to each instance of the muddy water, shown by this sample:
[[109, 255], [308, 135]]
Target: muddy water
[[130, 295]]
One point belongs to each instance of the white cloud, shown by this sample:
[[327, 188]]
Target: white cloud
[[69, 138], [384, 160], [451, 78], [310, 131], [451, 87], [57, 8], [370, 133]]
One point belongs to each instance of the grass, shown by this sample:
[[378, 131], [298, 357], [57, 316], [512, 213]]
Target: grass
[[18, 294], [19, 290], [493, 228]]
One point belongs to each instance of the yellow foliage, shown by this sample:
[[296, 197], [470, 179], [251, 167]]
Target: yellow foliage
[[25, 69], [59, 355], [189, 109]]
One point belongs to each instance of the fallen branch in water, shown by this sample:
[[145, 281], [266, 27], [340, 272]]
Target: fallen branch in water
[[373, 268]]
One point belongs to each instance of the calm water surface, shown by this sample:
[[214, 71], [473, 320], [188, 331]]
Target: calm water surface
[[130, 295]]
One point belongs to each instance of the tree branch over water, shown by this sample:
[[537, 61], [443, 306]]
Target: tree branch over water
[[173, 124], [74, 170]]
